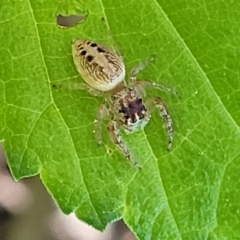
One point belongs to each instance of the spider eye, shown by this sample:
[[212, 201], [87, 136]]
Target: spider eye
[[123, 110]]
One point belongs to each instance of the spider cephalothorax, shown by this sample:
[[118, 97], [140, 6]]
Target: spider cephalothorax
[[125, 105], [128, 109]]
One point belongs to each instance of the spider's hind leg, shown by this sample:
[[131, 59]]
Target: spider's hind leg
[[134, 72], [79, 86], [147, 84], [102, 113], [158, 102]]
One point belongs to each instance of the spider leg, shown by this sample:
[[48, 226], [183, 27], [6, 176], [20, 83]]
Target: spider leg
[[116, 139], [102, 113], [140, 67], [157, 102], [145, 83], [79, 86]]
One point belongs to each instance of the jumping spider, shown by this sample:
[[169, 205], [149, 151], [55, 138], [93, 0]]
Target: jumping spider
[[104, 72]]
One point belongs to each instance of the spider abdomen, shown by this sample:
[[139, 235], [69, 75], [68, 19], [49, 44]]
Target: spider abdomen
[[99, 66]]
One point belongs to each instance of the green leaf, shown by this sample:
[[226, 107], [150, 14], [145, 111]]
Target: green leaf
[[191, 192]]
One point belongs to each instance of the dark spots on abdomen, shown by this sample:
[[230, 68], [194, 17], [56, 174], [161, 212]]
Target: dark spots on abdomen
[[83, 53], [93, 44], [100, 50], [89, 58]]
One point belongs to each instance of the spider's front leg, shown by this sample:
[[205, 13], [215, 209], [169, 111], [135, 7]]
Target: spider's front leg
[[116, 139], [157, 102]]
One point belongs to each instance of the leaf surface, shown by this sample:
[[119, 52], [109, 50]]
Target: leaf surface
[[191, 192]]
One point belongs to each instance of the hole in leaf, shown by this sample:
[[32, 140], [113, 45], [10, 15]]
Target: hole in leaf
[[71, 13]]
